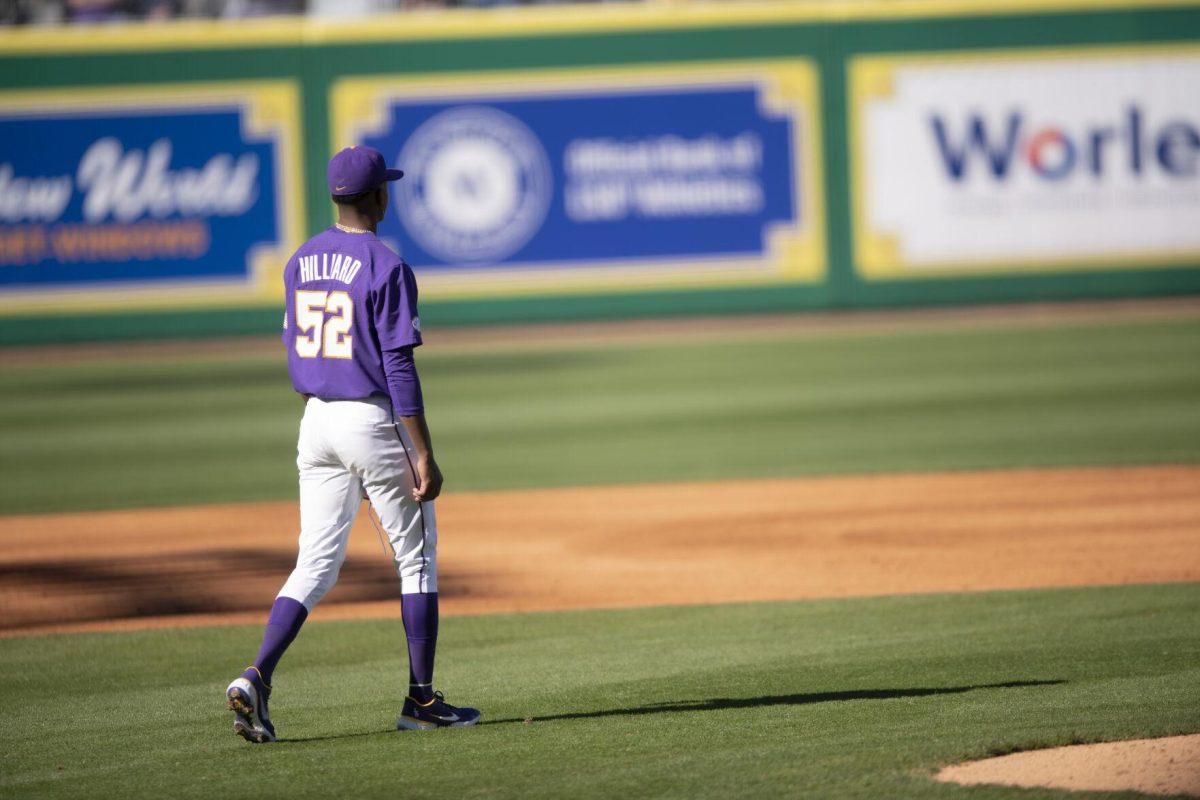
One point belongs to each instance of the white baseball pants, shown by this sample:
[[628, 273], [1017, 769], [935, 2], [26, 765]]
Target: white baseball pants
[[346, 447]]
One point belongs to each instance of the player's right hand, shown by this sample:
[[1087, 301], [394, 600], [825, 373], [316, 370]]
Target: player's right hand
[[429, 480]]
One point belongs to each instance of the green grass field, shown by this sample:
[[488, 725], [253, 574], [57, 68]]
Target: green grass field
[[829, 699], [116, 435], [845, 699]]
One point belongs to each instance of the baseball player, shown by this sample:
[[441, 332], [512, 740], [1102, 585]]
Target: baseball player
[[350, 327]]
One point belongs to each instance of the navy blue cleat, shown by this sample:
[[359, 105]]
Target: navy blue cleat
[[247, 699], [437, 713]]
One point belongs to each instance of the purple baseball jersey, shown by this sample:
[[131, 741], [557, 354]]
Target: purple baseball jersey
[[348, 298]]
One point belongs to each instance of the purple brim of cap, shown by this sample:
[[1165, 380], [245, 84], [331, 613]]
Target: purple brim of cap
[[393, 175]]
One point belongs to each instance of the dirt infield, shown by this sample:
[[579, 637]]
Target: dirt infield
[[625, 546], [1168, 766]]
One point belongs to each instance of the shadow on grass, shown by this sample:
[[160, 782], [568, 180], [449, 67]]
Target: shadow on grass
[[332, 737], [719, 703]]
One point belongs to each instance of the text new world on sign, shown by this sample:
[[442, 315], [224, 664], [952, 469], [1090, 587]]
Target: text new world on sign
[[139, 196]]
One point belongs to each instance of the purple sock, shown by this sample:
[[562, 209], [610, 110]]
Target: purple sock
[[287, 615], [420, 613]]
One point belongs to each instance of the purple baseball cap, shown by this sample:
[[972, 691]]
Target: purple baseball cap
[[358, 169]]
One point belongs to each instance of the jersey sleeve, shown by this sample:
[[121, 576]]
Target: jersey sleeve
[[404, 385], [394, 307]]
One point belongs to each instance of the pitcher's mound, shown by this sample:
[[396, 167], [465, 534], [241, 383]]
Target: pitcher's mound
[[1169, 766]]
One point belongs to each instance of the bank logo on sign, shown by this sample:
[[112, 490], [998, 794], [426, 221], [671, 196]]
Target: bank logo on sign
[[603, 180], [477, 185], [1126, 144]]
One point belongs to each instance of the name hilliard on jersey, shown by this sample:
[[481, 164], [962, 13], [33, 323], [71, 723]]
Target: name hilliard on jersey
[[349, 298], [329, 267]]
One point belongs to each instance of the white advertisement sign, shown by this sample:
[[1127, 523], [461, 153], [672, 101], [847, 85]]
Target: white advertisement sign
[[1026, 160]]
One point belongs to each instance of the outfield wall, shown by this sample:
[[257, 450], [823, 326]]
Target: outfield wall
[[609, 161]]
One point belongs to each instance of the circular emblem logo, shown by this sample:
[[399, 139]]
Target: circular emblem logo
[[477, 185]]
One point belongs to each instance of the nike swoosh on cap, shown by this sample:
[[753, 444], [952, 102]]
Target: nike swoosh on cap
[[339, 188]]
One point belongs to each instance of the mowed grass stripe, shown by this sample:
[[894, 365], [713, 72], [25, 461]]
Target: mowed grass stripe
[[112, 435], [831, 699]]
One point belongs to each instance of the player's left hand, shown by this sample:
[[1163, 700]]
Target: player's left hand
[[429, 480]]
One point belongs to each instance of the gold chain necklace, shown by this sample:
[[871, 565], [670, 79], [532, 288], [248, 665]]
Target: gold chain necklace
[[349, 229]]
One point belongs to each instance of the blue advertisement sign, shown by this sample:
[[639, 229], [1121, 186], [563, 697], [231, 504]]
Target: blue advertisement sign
[[145, 195], [580, 174]]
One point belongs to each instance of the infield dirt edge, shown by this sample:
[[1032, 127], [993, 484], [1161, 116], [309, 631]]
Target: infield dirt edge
[[1166, 766], [664, 544]]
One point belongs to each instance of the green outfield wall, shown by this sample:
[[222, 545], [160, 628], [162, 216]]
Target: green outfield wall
[[607, 162]]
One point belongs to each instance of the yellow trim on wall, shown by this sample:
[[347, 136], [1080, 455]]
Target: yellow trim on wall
[[877, 255], [422, 25], [788, 87], [270, 109]]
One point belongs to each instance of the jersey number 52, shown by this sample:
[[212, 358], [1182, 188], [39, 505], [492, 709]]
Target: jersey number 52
[[324, 320]]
